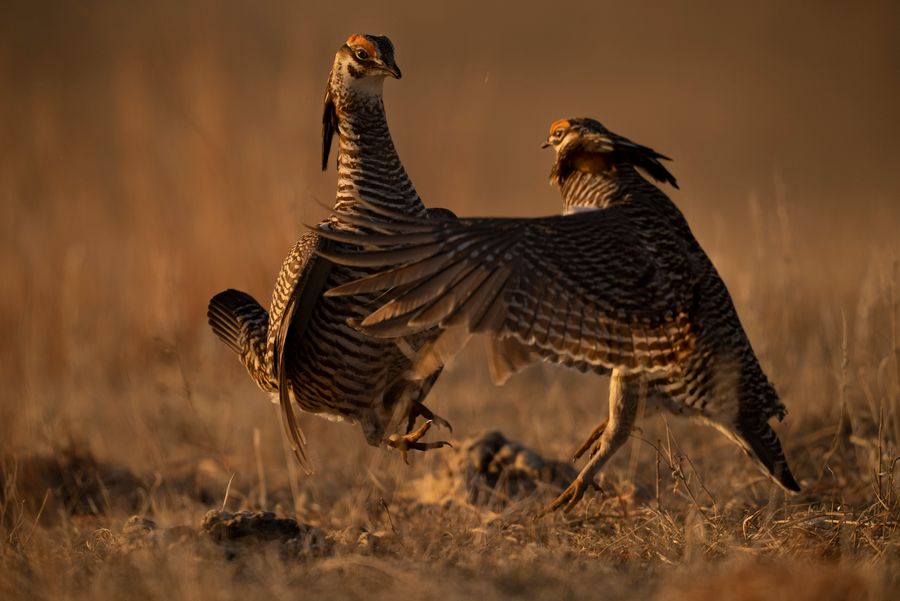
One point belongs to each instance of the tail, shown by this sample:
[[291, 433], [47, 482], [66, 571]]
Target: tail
[[765, 447], [238, 321]]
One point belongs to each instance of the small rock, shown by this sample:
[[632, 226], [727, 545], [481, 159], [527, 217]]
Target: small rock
[[245, 528], [358, 539], [224, 526], [495, 470], [103, 543], [138, 526]]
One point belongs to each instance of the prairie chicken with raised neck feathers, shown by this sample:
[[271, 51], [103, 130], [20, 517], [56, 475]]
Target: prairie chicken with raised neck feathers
[[618, 285], [305, 347]]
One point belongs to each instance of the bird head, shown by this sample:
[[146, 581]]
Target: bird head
[[362, 64], [565, 133], [358, 72], [584, 144], [568, 136]]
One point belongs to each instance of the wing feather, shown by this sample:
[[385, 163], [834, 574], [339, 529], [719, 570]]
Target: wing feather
[[296, 318], [582, 287]]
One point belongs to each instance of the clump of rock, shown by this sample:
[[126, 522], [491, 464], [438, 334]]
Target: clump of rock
[[491, 471]]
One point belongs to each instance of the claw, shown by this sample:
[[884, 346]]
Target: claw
[[441, 422], [410, 442], [593, 438], [420, 410], [569, 497]]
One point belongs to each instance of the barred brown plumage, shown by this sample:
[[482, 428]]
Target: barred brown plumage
[[304, 347], [617, 285]]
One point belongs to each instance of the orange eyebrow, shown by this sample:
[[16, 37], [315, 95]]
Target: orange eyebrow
[[563, 123], [363, 42]]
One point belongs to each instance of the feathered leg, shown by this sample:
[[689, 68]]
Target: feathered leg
[[418, 408]]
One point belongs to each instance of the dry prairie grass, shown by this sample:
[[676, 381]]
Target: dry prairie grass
[[152, 155]]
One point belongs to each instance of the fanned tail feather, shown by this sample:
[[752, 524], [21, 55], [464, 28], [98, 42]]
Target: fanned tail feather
[[235, 317]]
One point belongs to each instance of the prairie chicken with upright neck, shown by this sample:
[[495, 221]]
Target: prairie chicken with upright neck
[[304, 346], [618, 285]]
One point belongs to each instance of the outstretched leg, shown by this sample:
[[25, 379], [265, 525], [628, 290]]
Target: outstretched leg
[[624, 396], [655, 401]]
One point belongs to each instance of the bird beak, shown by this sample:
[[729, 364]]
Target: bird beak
[[392, 69], [546, 145]]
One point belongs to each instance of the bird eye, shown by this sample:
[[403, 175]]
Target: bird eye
[[361, 54], [558, 133]]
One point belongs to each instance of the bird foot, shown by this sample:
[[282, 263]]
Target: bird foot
[[410, 442], [420, 410], [591, 440], [440, 421], [571, 496]]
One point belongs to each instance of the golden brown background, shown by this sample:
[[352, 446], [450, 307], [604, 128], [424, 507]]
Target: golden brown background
[[153, 153]]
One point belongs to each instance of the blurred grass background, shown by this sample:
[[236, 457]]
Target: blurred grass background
[[152, 154]]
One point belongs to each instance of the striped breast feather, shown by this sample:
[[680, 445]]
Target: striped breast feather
[[582, 286]]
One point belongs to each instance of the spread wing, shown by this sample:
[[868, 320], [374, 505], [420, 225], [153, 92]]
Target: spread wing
[[309, 288], [582, 287]]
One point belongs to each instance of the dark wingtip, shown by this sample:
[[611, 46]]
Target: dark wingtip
[[766, 447], [329, 128], [786, 478], [326, 147]]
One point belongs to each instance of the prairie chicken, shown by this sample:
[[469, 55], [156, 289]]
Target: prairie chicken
[[305, 346], [618, 285]]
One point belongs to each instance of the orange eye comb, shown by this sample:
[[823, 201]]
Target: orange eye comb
[[362, 42], [563, 123]]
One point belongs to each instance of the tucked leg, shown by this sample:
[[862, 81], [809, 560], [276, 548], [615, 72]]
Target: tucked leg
[[410, 442], [418, 409], [624, 397], [418, 390]]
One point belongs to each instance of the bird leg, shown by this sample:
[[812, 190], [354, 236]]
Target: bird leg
[[410, 442], [624, 397], [595, 434], [418, 409]]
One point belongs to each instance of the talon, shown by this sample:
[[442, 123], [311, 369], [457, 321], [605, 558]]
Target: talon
[[410, 442], [594, 437], [569, 497], [442, 422], [420, 410], [419, 432]]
